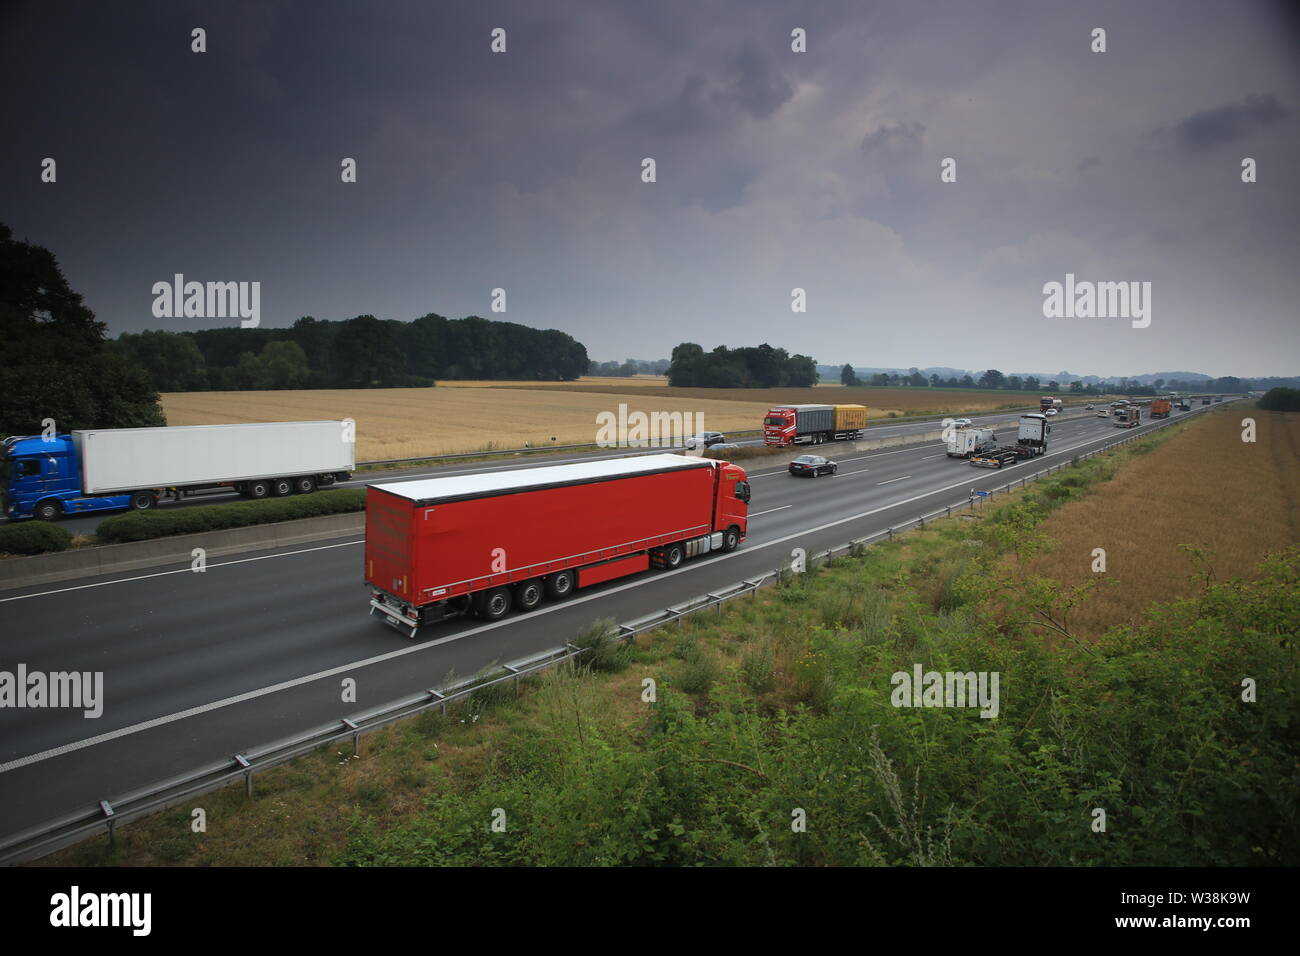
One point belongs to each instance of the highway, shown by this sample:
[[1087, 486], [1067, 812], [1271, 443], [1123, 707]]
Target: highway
[[201, 666], [88, 523]]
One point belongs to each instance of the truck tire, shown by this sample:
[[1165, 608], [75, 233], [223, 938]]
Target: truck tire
[[257, 490], [674, 555], [559, 585], [304, 484], [48, 511], [281, 487], [529, 594], [731, 539], [495, 604], [143, 501]]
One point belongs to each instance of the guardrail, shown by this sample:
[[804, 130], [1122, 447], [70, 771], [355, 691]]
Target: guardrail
[[54, 835]]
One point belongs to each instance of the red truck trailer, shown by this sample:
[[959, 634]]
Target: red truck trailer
[[484, 544]]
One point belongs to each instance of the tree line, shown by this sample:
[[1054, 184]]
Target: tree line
[[757, 367], [994, 379], [362, 352], [54, 359]]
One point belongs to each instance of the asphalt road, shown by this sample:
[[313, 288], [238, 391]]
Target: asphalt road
[[86, 524], [201, 666]]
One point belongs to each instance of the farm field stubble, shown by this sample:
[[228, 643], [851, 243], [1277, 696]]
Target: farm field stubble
[[408, 422], [1204, 487]]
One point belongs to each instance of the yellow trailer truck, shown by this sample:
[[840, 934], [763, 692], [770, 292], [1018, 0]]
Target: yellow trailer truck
[[850, 420]]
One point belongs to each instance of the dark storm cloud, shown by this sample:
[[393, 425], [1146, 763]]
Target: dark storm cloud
[[1235, 121], [749, 85], [900, 139], [776, 169]]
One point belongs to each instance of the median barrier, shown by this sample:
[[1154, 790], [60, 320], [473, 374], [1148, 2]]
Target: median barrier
[[177, 550]]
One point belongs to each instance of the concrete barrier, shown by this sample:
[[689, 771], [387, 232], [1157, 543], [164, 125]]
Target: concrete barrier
[[175, 551]]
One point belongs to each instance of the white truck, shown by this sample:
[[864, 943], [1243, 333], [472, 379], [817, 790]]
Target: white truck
[[964, 442], [115, 468], [1031, 440]]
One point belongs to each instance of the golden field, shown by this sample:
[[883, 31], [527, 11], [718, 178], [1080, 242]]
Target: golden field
[[1202, 487], [409, 422], [469, 415]]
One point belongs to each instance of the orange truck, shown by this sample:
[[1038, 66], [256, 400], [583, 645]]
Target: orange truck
[[1160, 407]]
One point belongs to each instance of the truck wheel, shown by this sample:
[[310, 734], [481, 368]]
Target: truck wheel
[[281, 487], [143, 501], [304, 484], [674, 555], [528, 594], [48, 511], [731, 539], [257, 490], [559, 585], [495, 604]]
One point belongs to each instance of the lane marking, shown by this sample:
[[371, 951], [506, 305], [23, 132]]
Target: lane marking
[[473, 632], [185, 570], [892, 480], [769, 511]]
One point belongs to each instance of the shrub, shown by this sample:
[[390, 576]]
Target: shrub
[[759, 669], [603, 651], [33, 537], [699, 673], [143, 525]]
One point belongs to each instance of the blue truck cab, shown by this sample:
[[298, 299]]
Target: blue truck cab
[[42, 479]]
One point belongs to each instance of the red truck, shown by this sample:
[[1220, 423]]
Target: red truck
[[484, 544], [1161, 407]]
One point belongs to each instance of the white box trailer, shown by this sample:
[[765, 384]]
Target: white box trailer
[[964, 442], [118, 460]]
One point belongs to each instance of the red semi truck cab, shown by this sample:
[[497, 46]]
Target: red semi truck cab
[[780, 425], [488, 543]]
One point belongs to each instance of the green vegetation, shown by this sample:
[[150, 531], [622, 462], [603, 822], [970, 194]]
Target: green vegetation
[[33, 537], [143, 525], [1281, 400], [361, 352], [760, 367], [54, 359]]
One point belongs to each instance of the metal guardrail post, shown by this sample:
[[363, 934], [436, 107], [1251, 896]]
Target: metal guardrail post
[[248, 774], [356, 736], [107, 809]]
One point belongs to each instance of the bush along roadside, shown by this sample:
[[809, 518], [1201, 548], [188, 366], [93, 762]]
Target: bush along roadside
[[144, 525], [33, 537]]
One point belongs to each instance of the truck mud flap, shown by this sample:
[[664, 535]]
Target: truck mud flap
[[394, 618]]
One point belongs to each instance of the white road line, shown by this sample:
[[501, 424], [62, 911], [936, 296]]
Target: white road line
[[769, 511], [415, 649], [184, 570], [928, 457], [892, 480]]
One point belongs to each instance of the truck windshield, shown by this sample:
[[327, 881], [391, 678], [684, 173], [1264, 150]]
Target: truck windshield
[[773, 420]]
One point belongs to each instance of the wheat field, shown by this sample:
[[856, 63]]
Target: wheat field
[[1203, 487], [409, 422]]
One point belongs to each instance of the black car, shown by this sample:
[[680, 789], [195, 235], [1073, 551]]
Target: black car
[[812, 466], [705, 439]]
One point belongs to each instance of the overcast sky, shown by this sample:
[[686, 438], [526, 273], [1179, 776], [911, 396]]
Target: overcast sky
[[775, 170]]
